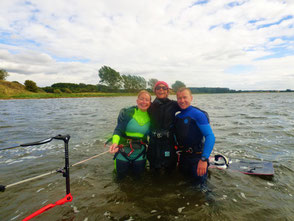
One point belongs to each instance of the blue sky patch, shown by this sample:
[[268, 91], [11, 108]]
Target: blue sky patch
[[70, 59], [234, 4], [278, 52], [212, 27], [5, 38], [275, 23], [228, 26], [200, 2], [254, 21], [28, 3], [284, 38], [239, 69]]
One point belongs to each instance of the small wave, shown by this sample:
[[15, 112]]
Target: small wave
[[40, 190], [16, 216], [31, 157], [10, 162], [18, 158], [5, 126], [44, 202], [256, 117]]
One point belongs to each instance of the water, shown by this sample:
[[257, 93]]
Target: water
[[257, 126]]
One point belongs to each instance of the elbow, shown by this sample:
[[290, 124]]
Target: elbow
[[213, 138]]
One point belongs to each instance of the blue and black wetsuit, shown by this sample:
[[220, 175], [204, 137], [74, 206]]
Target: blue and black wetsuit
[[195, 139], [130, 132], [161, 150]]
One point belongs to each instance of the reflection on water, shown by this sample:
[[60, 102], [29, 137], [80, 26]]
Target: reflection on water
[[247, 126]]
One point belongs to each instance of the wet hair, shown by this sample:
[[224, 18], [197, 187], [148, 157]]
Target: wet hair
[[144, 92], [181, 89]]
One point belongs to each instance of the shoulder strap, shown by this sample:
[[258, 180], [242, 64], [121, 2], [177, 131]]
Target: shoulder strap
[[206, 114]]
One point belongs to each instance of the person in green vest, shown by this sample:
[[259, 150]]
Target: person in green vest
[[130, 137]]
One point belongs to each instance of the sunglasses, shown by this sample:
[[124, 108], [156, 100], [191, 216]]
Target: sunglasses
[[161, 87]]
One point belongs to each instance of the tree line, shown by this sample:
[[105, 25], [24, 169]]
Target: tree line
[[196, 90], [112, 81]]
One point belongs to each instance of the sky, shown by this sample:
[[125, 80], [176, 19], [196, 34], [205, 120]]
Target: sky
[[241, 45]]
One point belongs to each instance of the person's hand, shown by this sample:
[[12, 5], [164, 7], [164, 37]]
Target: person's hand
[[201, 168], [113, 148]]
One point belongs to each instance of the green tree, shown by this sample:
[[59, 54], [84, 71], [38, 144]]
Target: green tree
[[133, 83], [141, 83], [67, 90], [110, 77], [177, 85], [57, 91], [151, 83], [48, 89], [102, 88], [75, 88], [3, 74], [31, 86], [127, 82]]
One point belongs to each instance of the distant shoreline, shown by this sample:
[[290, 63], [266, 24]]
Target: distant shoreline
[[62, 95], [15, 90], [89, 95]]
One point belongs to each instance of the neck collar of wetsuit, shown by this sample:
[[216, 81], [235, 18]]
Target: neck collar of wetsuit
[[188, 108], [140, 111], [161, 100]]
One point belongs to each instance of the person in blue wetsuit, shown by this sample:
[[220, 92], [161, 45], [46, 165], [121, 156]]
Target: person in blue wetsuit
[[129, 137], [194, 137]]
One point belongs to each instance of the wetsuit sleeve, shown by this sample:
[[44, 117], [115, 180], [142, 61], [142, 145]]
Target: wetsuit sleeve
[[209, 139], [115, 139], [120, 127], [203, 124]]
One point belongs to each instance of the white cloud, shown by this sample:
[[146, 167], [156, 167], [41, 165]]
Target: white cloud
[[167, 40]]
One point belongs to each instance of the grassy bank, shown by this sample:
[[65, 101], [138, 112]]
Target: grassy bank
[[61, 95], [15, 90]]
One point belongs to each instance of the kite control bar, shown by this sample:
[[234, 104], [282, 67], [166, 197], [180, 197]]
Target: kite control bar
[[65, 172]]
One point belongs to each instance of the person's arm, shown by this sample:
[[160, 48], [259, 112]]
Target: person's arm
[[209, 139], [121, 125], [118, 131], [113, 148], [206, 131]]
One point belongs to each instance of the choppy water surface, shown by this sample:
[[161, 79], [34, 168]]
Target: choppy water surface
[[246, 126]]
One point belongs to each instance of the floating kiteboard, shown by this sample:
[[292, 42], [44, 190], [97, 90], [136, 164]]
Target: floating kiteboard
[[259, 168]]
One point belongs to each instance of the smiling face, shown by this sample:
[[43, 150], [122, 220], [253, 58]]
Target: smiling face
[[184, 99], [143, 101], [161, 91]]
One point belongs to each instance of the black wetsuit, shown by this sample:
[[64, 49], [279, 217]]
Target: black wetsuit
[[161, 152]]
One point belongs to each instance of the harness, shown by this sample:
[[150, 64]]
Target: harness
[[161, 134], [161, 152], [187, 150], [133, 143]]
